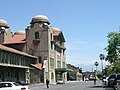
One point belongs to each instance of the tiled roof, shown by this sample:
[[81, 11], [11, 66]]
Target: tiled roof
[[17, 38], [2, 47], [56, 32], [72, 67], [38, 66]]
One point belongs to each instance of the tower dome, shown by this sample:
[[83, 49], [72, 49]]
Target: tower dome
[[56, 29], [20, 32], [40, 18], [3, 23]]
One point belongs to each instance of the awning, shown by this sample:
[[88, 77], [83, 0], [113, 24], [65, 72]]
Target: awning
[[62, 70]]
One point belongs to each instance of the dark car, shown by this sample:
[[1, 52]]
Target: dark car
[[112, 80]]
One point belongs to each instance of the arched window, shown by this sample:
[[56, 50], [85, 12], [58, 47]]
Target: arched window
[[37, 35], [52, 76]]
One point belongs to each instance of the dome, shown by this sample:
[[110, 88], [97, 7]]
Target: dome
[[3, 23], [20, 32], [40, 18], [56, 29]]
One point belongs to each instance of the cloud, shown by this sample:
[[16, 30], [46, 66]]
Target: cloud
[[80, 61], [84, 49], [84, 53]]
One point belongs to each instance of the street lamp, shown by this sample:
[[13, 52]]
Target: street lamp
[[102, 57], [96, 64]]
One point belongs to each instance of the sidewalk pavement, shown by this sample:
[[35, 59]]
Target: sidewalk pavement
[[43, 85]]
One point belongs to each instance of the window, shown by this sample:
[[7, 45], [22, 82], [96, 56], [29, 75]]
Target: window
[[40, 59], [58, 64], [63, 64], [5, 57], [11, 58], [51, 37], [52, 76], [52, 63], [58, 49], [0, 57], [37, 35]]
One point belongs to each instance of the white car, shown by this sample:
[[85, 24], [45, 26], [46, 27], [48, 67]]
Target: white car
[[12, 86], [60, 81]]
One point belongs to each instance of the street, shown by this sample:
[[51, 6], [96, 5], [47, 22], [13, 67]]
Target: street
[[82, 85]]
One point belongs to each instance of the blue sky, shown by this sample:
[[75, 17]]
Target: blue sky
[[85, 24]]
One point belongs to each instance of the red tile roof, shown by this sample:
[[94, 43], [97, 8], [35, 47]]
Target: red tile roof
[[17, 38], [38, 66], [2, 47]]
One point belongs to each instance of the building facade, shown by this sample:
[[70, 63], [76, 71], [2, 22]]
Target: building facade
[[15, 65], [75, 74], [47, 43], [42, 41]]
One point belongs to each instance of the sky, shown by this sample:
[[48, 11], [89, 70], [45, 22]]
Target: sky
[[84, 23]]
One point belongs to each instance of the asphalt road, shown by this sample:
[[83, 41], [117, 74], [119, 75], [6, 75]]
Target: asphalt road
[[82, 85]]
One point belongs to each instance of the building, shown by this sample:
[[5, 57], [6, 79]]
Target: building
[[47, 43], [40, 40], [75, 74], [14, 64], [88, 75]]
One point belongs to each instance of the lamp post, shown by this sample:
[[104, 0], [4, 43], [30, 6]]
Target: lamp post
[[96, 64], [102, 57]]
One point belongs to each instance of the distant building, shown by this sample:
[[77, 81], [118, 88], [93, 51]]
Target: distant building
[[75, 74], [43, 43], [88, 75]]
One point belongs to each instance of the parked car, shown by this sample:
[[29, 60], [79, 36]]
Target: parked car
[[86, 79], [112, 80], [60, 81], [117, 87], [105, 80], [12, 86], [22, 83]]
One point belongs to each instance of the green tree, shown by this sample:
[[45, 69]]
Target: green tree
[[112, 48], [116, 67], [113, 53]]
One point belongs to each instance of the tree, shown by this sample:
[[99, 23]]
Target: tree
[[112, 48], [113, 53]]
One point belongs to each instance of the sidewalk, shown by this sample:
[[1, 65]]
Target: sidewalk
[[43, 85], [37, 85], [72, 81]]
